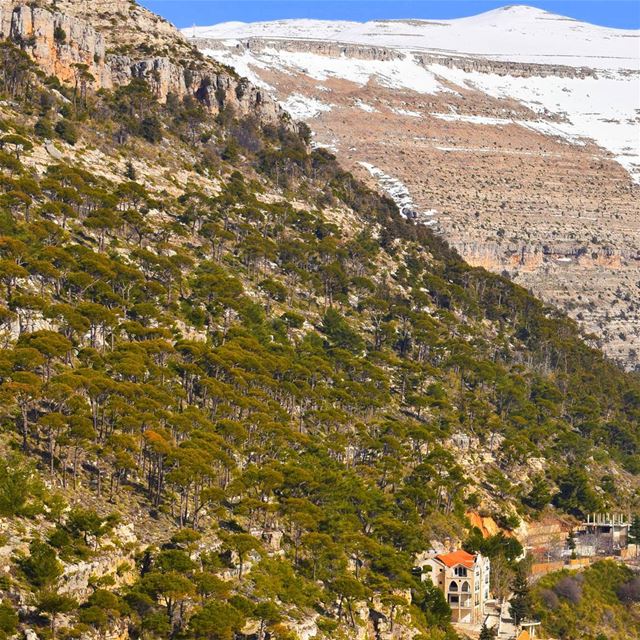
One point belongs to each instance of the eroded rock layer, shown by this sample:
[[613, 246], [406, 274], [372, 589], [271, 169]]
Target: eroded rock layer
[[106, 44], [507, 159]]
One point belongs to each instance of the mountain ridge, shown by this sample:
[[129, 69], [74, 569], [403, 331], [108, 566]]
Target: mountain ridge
[[554, 115], [520, 37]]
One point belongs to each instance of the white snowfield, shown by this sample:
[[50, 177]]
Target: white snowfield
[[603, 107], [517, 33]]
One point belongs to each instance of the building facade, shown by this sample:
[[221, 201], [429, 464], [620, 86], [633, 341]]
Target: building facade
[[464, 579], [603, 534]]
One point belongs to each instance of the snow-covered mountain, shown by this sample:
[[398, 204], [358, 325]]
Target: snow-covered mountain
[[516, 133], [604, 108], [515, 33]]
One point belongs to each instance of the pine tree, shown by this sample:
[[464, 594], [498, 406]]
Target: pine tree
[[487, 633], [130, 172], [571, 545], [54, 604], [41, 567], [520, 608]]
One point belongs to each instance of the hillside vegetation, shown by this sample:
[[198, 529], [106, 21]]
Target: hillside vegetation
[[240, 376], [601, 603]]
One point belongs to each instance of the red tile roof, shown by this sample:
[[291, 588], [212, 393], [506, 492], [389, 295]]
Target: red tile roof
[[457, 557]]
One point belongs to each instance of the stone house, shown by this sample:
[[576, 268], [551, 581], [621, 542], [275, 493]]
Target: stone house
[[464, 579]]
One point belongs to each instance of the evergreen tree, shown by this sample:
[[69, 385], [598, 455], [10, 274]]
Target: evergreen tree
[[41, 567], [487, 633], [130, 172], [571, 544], [54, 604], [520, 604]]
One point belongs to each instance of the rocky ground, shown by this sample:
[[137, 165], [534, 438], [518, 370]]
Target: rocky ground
[[501, 179]]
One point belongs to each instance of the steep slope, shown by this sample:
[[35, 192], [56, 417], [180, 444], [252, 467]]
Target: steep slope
[[240, 393], [103, 45], [513, 133]]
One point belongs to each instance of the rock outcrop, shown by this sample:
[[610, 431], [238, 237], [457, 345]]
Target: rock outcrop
[[57, 42], [366, 52], [102, 48]]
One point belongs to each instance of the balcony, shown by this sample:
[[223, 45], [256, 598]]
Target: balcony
[[457, 602]]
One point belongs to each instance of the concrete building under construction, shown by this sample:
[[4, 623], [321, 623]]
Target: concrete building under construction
[[603, 534]]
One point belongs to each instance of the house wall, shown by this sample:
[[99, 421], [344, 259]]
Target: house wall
[[466, 594]]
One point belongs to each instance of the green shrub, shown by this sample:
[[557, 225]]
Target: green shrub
[[20, 490], [43, 129], [59, 35], [41, 567], [151, 129], [67, 131], [8, 621]]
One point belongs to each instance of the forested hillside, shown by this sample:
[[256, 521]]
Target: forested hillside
[[600, 603], [234, 382]]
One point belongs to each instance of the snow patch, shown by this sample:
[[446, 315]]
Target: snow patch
[[241, 63], [547, 128], [301, 107], [394, 187], [605, 109], [365, 107], [517, 34], [332, 146], [457, 117], [400, 73], [399, 193], [407, 112], [552, 129]]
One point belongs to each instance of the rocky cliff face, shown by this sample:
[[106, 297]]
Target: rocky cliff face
[[67, 39], [332, 49], [56, 41], [382, 54]]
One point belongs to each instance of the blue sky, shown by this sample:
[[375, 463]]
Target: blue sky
[[184, 13]]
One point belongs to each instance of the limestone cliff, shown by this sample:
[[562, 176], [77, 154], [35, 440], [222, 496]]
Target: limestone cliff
[[354, 51], [117, 41]]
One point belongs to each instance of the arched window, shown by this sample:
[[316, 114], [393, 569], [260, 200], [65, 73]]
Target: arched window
[[465, 586], [453, 586]]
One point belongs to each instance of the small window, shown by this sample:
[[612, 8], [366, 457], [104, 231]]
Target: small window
[[465, 586], [453, 586], [453, 599]]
